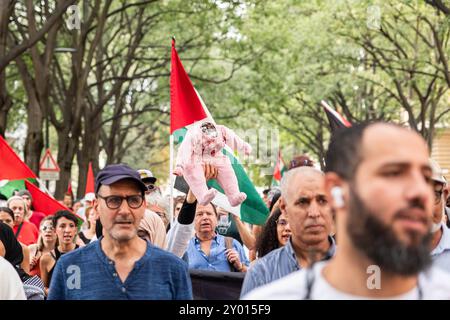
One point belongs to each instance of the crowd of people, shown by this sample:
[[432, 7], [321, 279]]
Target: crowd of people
[[378, 212]]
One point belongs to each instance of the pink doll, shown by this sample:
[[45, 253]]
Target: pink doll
[[203, 144]]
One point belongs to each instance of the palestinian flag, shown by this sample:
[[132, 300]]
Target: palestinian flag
[[13, 171], [45, 203], [334, 118], [186, 108], [16, 175], [279, 170]]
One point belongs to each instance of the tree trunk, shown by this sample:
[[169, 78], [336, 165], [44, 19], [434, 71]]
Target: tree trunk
[[34, 142], [90, 150], [5, 100], [67, 148]]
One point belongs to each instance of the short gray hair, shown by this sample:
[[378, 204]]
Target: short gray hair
[[18, 198], [293, 173]]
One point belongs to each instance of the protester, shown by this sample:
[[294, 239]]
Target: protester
[[45, 244], [68, 200], [440, 242], [7, 217], [154, 198], [12, 251], [25, 231], [161, 208], [152, 229], [275, 234], [305, 205], [177, 204], [76, 205], [65, 223], [88, 235], [379, 182], [120, 265], [182, 230], [35, 217], [208, 250], [11, 248], [11, 288]]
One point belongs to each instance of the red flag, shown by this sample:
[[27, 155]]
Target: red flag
[[90, 181], [185, 106], [279, 170], [69, 188], [43, 202], [334, 118], [12, 167]]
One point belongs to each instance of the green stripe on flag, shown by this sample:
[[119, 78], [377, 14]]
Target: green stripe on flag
[[8, 189], [253, 209]]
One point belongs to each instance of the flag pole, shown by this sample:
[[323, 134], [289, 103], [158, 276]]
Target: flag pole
[[171, 179]]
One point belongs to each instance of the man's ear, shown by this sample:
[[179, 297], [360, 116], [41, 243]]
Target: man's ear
[[94, 208], [335, 190]]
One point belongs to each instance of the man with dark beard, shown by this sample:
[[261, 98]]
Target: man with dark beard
[[379, 183]]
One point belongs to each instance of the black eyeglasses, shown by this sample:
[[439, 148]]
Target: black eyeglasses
[[437, 196], [114, 202], [150, 187]]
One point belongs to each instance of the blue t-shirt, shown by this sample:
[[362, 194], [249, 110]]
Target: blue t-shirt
[[88, 274], [217, 259]]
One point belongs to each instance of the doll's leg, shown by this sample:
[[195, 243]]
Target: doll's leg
[[228, 181], [195, 178]]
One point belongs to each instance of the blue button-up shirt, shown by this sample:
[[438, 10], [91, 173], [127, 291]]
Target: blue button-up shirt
[[217, 259], [275, 265], [441, 254], [88, 274]]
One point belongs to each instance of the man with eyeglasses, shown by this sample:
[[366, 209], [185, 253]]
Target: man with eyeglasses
[[120, 265], [304, 203], [440, 242]]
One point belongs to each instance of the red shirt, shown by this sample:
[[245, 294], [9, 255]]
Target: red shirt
[[28, 233], [36, 218]]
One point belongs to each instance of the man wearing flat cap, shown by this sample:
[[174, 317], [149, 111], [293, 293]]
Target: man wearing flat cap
[[120, 265]]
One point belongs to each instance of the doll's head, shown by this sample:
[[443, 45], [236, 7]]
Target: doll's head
[[209, 131]]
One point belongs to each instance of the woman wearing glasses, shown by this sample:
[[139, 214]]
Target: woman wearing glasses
[[65, 224], [275, 234], [46, 243]]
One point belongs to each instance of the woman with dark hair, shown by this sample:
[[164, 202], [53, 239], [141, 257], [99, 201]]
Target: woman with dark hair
[[65, 224], [7, 217], [275, 234], [12, 251]]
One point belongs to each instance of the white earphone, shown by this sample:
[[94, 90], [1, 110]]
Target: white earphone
[[336, 193]]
